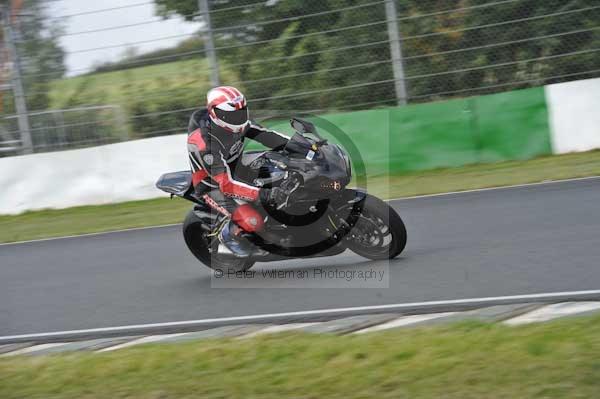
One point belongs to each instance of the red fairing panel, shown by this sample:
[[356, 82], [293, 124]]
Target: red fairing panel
[[248, 218]]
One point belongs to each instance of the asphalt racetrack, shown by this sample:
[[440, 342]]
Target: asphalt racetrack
[[534, 239]]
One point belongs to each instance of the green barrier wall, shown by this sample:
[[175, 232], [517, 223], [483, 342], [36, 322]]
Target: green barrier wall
[[512, 125], [506, 126]]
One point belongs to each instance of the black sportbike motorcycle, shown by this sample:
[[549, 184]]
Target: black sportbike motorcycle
[[321, 217]]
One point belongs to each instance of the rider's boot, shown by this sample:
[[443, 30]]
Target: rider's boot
[[233, 243]]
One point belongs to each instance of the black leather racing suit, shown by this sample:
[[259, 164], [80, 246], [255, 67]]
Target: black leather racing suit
[[214, 155]]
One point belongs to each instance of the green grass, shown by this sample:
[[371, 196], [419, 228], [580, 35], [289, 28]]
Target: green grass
[[147, 89], [117, 87], [89, 219], [556, 167], [467, 360]]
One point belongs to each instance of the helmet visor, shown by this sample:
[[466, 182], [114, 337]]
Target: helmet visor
[[237, 117]]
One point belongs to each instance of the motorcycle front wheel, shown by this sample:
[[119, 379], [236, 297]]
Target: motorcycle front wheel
[[379, 232]]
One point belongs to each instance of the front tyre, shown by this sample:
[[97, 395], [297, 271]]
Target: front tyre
[[197, 240], [379, 232]]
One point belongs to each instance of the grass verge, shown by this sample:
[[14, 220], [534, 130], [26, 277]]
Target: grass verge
[[118, 87], [467, 360], [90, 219]]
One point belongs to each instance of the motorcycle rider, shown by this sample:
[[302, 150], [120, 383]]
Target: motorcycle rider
[[215, 143]]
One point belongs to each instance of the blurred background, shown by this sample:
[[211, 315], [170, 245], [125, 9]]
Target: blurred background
[[77, 74], [436, 96]]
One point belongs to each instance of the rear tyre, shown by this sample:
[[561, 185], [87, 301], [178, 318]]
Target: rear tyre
[[379, 232], [196, 239]]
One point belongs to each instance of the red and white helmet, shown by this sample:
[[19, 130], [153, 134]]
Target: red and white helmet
[[227, 108]]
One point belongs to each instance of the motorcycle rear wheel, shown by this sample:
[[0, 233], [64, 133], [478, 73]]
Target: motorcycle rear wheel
[[379, 233], [196, 241]]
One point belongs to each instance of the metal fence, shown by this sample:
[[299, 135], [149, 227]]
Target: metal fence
[[55, 130], [311, 56]]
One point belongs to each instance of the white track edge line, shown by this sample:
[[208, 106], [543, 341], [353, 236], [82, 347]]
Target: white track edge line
[[553, 311], [570, 294], [100, 233], [475, 190]]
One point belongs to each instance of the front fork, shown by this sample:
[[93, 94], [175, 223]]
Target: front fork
[[344, 214]]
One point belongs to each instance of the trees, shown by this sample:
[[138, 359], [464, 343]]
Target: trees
[[184, 50], [337, 50], [42, 58], [274, 45], [513, 45]]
